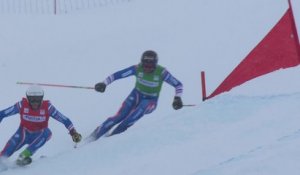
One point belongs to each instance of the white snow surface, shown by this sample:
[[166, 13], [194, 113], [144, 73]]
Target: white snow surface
[[252, 130]]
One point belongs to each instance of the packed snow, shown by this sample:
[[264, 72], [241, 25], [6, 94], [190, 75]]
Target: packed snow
[[252, 130]]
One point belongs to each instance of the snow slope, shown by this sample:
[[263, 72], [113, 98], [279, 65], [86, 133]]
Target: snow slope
[[252, 130]]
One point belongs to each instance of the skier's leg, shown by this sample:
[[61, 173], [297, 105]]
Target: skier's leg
[[14, 143], [125, 109], [38, 140], [145, 107]]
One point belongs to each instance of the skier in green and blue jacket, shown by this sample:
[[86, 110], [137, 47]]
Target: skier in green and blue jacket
[[143, 98]]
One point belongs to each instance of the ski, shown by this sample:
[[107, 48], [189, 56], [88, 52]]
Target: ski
[[84, 142], [6, 165]]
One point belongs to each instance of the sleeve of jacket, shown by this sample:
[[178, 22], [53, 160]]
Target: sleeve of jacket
[[171, 80], [57, 115], [12, 110], [121, 74]]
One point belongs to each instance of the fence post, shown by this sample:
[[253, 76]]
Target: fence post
[[203, 86], [55, 3]]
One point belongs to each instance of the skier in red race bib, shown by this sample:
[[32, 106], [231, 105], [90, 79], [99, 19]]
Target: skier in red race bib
[[143, 98], [33, 130]]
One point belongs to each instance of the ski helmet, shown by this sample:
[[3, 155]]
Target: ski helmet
[[149, 61], [35, 95]]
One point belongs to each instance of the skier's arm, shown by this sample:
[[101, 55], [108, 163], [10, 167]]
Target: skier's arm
[[171, 80], [101, 86], [120, 74], [54, 113], [10, 111], [167, 77]]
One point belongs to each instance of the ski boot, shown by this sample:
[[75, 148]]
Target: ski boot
[[24, 158]]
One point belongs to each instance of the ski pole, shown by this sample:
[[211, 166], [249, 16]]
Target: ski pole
[[55, 85], [189, 105]]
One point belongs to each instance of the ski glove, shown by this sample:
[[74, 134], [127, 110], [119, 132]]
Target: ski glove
[[75, 135], [100, 87], [177, 103]]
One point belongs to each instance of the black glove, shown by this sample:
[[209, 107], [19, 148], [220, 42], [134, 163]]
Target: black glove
[[75, 135], [100, 87], [177, 103]]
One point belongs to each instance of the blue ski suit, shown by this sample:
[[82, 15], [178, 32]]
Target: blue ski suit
[[33, 129], [137, 104]]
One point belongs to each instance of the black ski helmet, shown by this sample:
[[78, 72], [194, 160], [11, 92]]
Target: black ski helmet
[[149, 60]]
